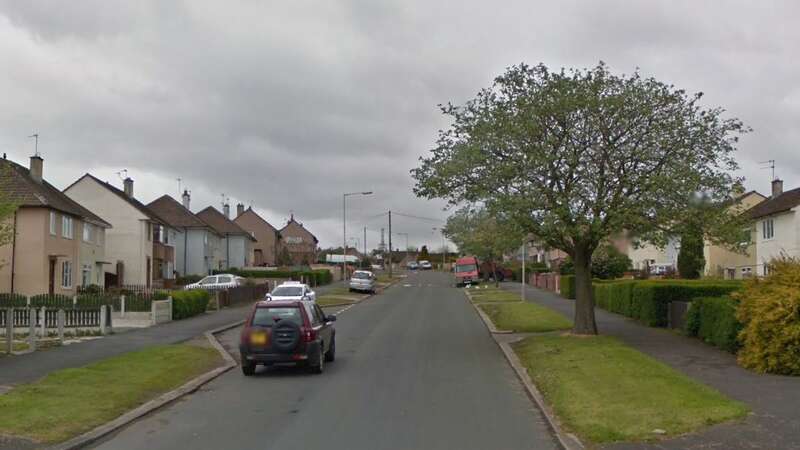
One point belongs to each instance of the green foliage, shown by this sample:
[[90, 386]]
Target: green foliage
[[567, 284], [7, 209], [608, 263], [187, 304], [769, 310], [616, 297], [188, 279], [13, 301], [53, 301], [690, 257], [480, 233], [713, 319], [423, 254], [284, 257]]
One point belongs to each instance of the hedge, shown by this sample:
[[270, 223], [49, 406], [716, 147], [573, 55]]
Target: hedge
[[615, 297], [186, 304], [567, 284], [713, 319], [315, 277], [13, 301]]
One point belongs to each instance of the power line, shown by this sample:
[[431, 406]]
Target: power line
[[411, 216]]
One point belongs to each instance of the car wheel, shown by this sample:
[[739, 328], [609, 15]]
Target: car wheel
[[248, 368], [330, 355], [319, 367]]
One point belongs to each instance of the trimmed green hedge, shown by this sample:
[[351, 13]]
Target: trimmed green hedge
[[186, 304], [567, 284], [713, 319], [648, 300], [315, 277]]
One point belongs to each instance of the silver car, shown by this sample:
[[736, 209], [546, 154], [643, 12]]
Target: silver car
[[362, 281], [292, 290]]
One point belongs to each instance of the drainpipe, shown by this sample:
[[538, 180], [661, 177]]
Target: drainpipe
[[13, 250], [227, 251], [185, 249]]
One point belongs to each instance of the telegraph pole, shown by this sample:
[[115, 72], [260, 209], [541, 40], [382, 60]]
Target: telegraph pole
[[365, 242], [390, 244]]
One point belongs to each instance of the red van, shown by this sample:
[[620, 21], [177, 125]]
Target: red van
[[466, 271]]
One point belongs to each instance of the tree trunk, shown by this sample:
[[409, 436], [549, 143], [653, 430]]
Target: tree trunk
[[494, 272], [584, 298]]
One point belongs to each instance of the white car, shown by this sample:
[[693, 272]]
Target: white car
[[425, 265], [292, 290], [217, 282]]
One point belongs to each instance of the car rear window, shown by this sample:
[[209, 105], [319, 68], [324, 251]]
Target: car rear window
[[361, 275], [266, 317], [288, 291]]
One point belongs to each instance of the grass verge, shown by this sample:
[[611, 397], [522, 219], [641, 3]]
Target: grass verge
[[606, 391], [69, 402], [495, 297], [524, 317], [330, 300]]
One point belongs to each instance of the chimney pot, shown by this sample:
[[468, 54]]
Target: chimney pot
[[186, 198], [226, 209], [239, 209], [128, 184], [777, 188], [37, 167]]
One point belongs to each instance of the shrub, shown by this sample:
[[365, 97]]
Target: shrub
[[568, 286], [650, 299], [188, 279], [769, 310], [713, 319], [608, 263], [615, 296], [13, 301], [51, 301], [690, 257], [189, 303]]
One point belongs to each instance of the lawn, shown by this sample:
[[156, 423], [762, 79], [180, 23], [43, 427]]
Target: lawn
[[332, 300], [606, 391], [69, 402], [524, 317], [495, 296]]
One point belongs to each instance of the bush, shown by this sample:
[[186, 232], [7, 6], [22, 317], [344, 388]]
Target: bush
[[690, 257], [51, 301], [713, 319], [615, 296], [769, 310], [13, 301], [188, 279], [608, 263], [568, 286], [650, 299], [187, 304]]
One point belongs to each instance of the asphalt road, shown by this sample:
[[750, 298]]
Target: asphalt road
[[415, 369]]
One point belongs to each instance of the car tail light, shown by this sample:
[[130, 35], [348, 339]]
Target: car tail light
[[309, 334], [245, 336]]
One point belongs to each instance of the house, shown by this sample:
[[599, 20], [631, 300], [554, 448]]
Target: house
[[267, 237], [658, 260], [58, 244], [300, 244], [196, 243], [777, 226], [721, 261], [236, 244], [140, 244]]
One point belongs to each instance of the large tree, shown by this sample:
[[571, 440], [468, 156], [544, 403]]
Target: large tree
[[576, 156], [7, 209]]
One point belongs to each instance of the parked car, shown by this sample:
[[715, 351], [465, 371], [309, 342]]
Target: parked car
[[412, 265], [363, 281], [292, 290], [217, 282], [466, 271], [376, 267], [287, 332], [425, 265]]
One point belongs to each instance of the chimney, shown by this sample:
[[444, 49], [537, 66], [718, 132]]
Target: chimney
[[239, 209], [37, 166], [128, 184], [186, 198], [777, 187], [226, 209]]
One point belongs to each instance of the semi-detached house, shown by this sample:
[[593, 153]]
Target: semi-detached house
[[57, 244], [777, 226], [236, 245], [140, 244], [197, 243], [267, 237]]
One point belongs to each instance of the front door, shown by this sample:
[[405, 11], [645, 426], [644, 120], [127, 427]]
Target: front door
[[147, 273], [258, 255], [51, 285]]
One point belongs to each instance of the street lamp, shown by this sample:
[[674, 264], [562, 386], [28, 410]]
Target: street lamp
[[444, 253], [344, 228]]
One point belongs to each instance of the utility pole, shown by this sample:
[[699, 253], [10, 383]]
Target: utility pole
[[524, 244], [344, 229], [390, 244], [365, 242]]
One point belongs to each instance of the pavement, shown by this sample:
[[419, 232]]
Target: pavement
[[32, 366], [773, 399], [415, 369]]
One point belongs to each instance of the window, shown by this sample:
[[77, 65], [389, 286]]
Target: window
[[225, 279], [98, 236], [768, 229], [66, 274], [87, 232], [149, 231], [86, 275], [266, 317], [288, 291], [66, 227], [208, 280], [465, 268], [52, 223]]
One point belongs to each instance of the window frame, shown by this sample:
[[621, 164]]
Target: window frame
[[53, 220], [768, 229], [67, 227], [87, 232], [66, 274]]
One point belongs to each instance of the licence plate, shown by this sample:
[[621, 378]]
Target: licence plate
[[259, 339]]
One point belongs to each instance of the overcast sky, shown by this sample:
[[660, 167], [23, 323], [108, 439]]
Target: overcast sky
[[286, 105]]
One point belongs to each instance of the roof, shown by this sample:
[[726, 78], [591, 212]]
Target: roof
[[220, 223], [250, 210], [21, 189], [291, 221], [175, 214], [781, 203], [121, 194]]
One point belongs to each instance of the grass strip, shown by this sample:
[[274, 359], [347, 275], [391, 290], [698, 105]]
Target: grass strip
[[496, 297], [605, 391], [70, 402], [328, 300], [524, 317]]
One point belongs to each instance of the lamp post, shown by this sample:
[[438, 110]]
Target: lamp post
[[344, 229], [444, 253]]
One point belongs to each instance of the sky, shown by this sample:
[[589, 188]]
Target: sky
[[284, 106]]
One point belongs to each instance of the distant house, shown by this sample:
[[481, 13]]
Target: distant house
[[267, 237], [659, 260], [140, 245], [721, 261], [196, 243], [58, 244], [236, 245], [299, 242], [777, 226]]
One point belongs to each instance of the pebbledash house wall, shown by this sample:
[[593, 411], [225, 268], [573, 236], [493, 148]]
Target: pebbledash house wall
[[35, 246], [130, 238], [235, 251], [784, 242], [200, 251]]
